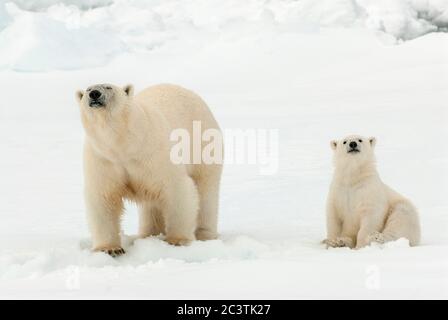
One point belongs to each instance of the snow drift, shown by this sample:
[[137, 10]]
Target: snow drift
[[36, 32], [32, 42]]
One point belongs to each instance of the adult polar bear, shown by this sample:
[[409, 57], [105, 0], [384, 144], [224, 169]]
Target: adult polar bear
[[360, 208], [127, 156]]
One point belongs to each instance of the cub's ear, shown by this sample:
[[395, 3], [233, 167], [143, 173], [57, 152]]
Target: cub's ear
[[333, 144], [372, 141], [79, 94], [129, 90]]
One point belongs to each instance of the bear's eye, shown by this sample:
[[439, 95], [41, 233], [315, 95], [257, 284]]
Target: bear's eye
[[345, 142], [109, 88], [360, 141]]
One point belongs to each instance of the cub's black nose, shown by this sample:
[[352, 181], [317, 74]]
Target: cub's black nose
[[353, 144], [94, 94]]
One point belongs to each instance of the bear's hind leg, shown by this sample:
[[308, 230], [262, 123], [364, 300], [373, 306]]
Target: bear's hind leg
[[207, 228], [151, 222], [181, 211], [402, 222], [377, 237]]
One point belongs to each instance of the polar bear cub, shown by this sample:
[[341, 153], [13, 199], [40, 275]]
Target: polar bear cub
[[127, 156], [360, 208]]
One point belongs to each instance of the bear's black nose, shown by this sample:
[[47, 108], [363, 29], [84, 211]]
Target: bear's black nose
[[353, 144], [94, 94]]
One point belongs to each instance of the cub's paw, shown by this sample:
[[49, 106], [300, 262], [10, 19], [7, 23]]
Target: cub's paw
[[377, 237], [339, 242], [113, 252], [204, 235], [178, 241]]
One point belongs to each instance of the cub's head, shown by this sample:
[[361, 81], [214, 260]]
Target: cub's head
[[353, 150], [104, 97]]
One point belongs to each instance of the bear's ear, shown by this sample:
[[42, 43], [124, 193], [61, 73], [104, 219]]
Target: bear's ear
[[79, 94], [333, 144], [372, 141], [129, 90]]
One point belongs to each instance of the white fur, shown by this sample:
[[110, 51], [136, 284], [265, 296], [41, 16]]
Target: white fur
[[126, 156], [360, 208]]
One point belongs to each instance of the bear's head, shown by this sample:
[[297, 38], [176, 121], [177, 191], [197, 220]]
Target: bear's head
[[353, 150], [104, 97], [102, 104]]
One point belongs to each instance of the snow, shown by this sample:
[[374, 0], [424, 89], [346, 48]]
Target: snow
[[406, 19], [4, 16], [45, 4], [36, 30], [313, 70], [35, 43]]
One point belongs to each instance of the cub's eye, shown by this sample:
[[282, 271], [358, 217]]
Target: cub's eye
[[345, 142], [109, 88], [360, 141]]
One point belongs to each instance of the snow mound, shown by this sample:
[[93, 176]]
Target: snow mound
[[406, 19], [155, 252], [138, 252], [397, 244], [5, 19], [50, 34], [153, 249], [326, 13], [39, 5], [33, 42], [400, 243]]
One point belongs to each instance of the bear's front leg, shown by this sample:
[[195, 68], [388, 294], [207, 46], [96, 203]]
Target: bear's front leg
[[151, 222], [103, 215], [104, 203], [370, 224], [334, 229], [339, 242], [181, 212]]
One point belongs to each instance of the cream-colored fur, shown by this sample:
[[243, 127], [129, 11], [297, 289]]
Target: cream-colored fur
[[127, 156], [360, 208]]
